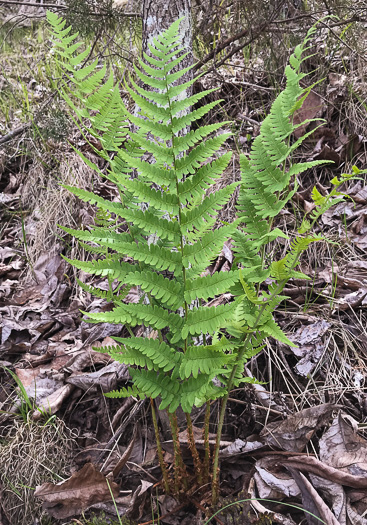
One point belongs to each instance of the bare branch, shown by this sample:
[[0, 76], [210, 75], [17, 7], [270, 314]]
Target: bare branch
[[15, 133], [267, 26], [56, 6]]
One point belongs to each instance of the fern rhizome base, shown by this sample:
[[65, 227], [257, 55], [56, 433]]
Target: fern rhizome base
[[160, 236]]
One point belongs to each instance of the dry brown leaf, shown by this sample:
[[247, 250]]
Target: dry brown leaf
[[295, 432], [74, 495], [352, 300], [264, 397], [279, 518], [312, 501], [106, 378], [273, 482], [138, 499], [361, 196], [309, 333], [325, 152], [342, 448], [6, 253], [357, 507], [240, 447], [86, 358], [355, 518], [221, 299], [334, 493], [310, 346], [311, 108], [27, 375], [52, 403], [13, 266], [125, 456], [133, 296], [39, 388], [315, 466]]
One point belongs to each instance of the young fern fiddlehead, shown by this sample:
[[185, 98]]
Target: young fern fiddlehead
[[180, 216]]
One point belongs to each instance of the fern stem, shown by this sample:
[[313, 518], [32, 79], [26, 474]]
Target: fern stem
[[179, 467], [215, 483], [131, 333], [206, 443], [182, 240], [198, 466], [159, 449]]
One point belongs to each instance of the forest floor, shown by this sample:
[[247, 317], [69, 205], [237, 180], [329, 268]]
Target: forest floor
[[298, 439]]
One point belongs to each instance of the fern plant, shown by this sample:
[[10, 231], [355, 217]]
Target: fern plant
[[195, 353]]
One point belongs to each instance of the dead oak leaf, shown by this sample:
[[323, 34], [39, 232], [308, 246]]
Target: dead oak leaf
[[312, 501], [341, 447], [294, 433], [70, 497]]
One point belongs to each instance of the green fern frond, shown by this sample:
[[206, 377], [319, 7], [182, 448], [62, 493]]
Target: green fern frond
[[103, 294], [157, 199], [204, 360], [104, 267], [150, 223], [280, 271], [181, 105], [158, 257], [133, 314], [162, 152], [193, 160], [149, 109], [98, 235], [206, 319], [189, 140], [88, 196], [130, 391], [129, 356], [209, 286], [180, 123], [205, 177], [170, 292], [153, 385], [271, 329], [150, 172], [159, 352], [102, 104], [92, 249], [194, 390], [210, 206], [203, 251]]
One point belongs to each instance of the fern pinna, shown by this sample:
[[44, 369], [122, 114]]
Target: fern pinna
[[169, 270]]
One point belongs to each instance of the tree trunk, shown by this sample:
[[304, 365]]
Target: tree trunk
[[158, 15]]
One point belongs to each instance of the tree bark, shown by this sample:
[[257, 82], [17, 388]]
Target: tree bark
[[158, 15]]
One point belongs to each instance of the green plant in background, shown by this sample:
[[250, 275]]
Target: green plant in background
[[194, 353]]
